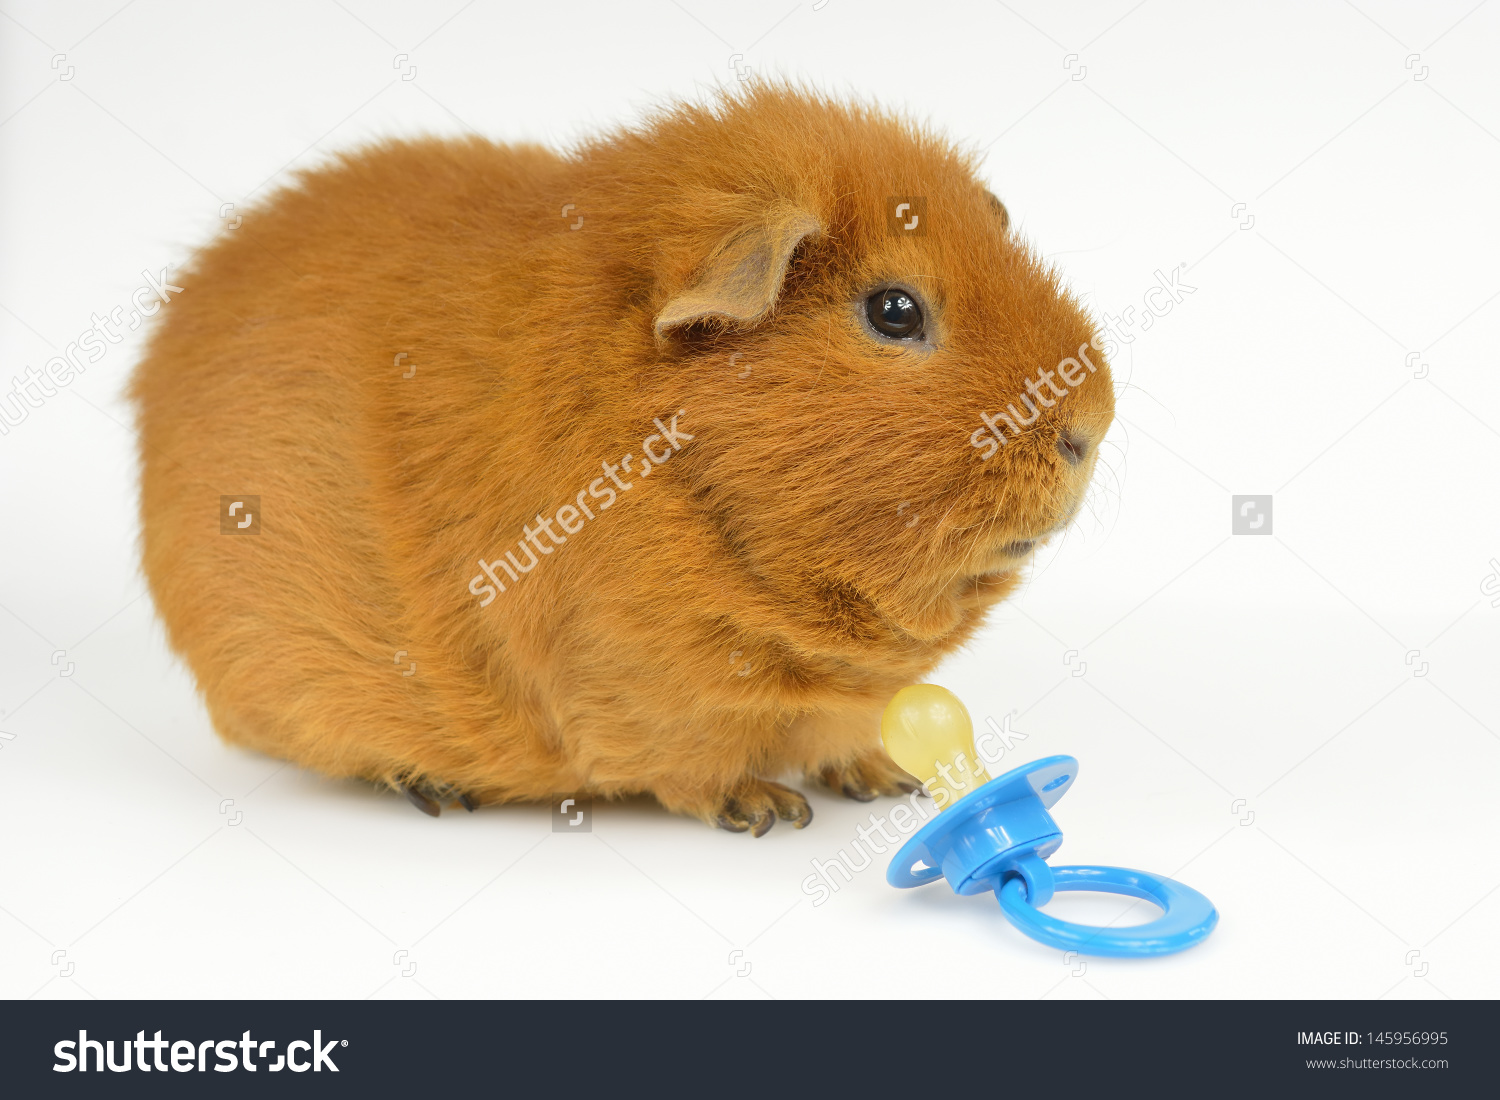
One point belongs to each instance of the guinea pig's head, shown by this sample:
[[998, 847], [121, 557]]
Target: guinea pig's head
[[895, 400]]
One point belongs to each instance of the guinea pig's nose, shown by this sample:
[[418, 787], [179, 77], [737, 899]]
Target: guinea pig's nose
[[1074, 446]]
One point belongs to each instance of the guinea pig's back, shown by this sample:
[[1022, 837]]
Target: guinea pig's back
[[268, 381]]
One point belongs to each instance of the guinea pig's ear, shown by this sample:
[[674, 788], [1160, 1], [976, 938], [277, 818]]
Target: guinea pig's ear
[[1000, 209], [740, 282]]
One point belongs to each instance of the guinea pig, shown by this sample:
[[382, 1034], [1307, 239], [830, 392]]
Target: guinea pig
[[655, 466]]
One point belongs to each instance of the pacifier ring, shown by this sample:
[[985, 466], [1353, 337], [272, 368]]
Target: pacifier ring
[[1187, 916]]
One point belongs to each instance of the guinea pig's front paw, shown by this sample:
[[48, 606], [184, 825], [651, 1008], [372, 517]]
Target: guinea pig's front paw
[[868, 776], [429, 799], [755, 806]]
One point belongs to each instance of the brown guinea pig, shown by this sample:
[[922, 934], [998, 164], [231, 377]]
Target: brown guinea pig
[[660, 465]]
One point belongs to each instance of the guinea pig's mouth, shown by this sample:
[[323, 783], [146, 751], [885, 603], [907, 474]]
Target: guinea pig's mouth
[[1016, 549], [1011, 553], [1002, 563]]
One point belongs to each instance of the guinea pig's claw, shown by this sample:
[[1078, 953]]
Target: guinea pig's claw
[[848, 782], [867, 777], [468, 803], [756, 808], [729, 824], [791, 806], [858, 792], [737, 819], [421, 801]]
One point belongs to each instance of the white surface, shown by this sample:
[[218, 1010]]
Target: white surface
[[1218, 668]]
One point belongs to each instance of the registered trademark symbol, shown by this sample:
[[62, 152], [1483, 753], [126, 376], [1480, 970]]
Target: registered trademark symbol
[[343, 1042]]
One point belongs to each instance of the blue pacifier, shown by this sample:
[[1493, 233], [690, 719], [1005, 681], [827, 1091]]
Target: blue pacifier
[[998, 836]]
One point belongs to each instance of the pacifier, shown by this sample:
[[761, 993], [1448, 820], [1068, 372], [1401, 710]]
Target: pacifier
[[996, 834]]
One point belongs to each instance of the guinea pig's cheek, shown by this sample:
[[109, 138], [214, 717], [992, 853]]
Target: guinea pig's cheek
[[929, 622], [984, 589], [996, 578]]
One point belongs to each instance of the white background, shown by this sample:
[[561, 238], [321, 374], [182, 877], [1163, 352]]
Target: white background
[[1338, 353]]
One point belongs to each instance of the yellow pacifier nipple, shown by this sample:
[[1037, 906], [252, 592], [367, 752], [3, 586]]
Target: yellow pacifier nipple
[[927, 730]]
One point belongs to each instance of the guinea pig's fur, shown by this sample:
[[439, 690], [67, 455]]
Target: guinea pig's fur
[[418, 355]]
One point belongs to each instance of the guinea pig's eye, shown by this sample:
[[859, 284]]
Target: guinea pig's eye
[[894, 313]]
